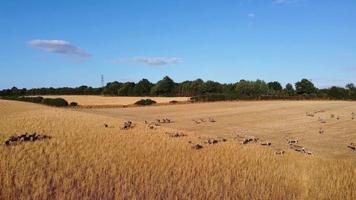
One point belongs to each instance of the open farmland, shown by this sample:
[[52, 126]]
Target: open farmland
[[275, 121], [112, 101], [85, 160]]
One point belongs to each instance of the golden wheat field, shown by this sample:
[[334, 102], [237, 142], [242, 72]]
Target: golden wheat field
[[86, 160], [92, 100], [274, 121]]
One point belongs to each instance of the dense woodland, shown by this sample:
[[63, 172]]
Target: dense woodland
[[200, 90]]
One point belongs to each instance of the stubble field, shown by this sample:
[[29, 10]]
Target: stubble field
[[86, 160], [274, 121], [94, 100]]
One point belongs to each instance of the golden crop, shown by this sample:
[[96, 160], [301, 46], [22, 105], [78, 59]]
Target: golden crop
[[85, 160]]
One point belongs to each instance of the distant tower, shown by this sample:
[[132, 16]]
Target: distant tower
[[102, 81]]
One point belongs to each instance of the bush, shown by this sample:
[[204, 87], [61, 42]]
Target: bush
[[173, 102], [145, 102], [31, 99], [58, 102], [73, 104], [213, 97]]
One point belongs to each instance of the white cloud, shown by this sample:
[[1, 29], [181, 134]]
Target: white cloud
[[58, 47], [158, 60], [153, 61]]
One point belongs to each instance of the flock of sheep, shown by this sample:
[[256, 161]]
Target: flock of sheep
[[292, 143]]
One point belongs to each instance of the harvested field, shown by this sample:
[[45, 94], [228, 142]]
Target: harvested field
[[275, 121], [90, 156], [92, 100]]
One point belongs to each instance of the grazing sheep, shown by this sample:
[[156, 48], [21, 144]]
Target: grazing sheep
[[211, 141], [300, 149], [212, 120], [297, 148], [352, 146], [223, 140], [309, 114], [197, 146], [292, 141], [176, 135], [319, 111], [25, 138], [127, 125], [279, 152], [249, 140], [321, 131], [266, 143], [151, 126], [197, 122], [322, 120]]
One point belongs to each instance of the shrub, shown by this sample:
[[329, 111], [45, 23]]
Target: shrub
[[213, 97], [58, 102], [73, 104], [145, 102], [173, 102], [31, 99]]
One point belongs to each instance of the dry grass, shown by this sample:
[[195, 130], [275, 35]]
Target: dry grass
[[275, 121], [84, 160], [92, 100]]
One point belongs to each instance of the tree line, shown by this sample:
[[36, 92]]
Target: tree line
[[201, 90]]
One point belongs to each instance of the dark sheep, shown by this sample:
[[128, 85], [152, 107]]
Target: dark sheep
[[197, 146]]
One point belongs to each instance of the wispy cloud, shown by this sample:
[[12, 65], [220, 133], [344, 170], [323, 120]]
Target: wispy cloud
[[251, 15], [329, 82], [350, 68], [158, 60], [251, 18], [121, 61], [59, 47], [153, 61], [285, 1]]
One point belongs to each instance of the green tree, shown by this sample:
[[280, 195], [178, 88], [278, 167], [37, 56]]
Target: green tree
[[143, 88], [197, 86], [164, 87], [211, 87], [251, 89], [228, 88], [290, 90], [127, 89], [350, 86], [305, 87], [112, 88], [351, 89], [275, 85], [338, 93]]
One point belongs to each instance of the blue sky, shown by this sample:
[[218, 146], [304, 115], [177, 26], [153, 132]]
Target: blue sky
[[71, 43]]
